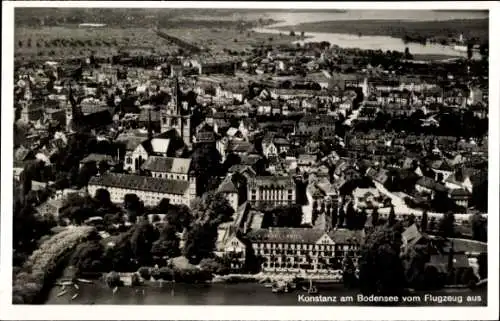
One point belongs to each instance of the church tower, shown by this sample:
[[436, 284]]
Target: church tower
[[177, 115], [74, 113]]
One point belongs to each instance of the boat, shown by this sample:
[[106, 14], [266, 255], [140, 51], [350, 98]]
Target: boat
[[76, 286], [62, 293], [74, 296], [115, 290], [85, 281], [268, 285]]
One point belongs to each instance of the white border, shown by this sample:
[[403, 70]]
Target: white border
[[8, 311]]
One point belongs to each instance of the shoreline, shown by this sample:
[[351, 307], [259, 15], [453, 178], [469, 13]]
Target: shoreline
[[374, 27]]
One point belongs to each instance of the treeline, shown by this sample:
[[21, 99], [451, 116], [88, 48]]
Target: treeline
[[41, 269], [67, 43], [128, 17], [413, 30]]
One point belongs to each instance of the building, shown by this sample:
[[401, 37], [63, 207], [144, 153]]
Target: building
[[317, 125], [150, 190], [230, 191], [134, 159], [275, 190], [273, 145], [177, 115], [172, 168], [77, 120], [215, 66], [294, 250]]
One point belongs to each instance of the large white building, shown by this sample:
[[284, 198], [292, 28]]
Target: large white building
[[174, 168], [293, 250], [275, 190], [151, 190]]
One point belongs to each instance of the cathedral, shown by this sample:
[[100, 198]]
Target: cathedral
[[177, 115]]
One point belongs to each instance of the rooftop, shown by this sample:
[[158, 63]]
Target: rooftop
[[303, 235], [272, 181], [167, 164], [141, 183]]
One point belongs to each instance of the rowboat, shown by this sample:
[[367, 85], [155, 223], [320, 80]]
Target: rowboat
[[62, 293]]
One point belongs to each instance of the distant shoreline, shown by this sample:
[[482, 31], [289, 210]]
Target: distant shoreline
[[470, 28]]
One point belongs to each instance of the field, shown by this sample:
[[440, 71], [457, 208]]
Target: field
[[438, 30], [72, 42], [218, 39], [68, 42]]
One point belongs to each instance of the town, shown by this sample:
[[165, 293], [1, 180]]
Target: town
[[290, 161]]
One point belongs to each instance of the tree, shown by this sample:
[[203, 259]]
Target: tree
[[179, 216], [133, 205], [349, 273], [113, 279], [103, 167], [350, 217], [200, 242], [167, 246], [411, 219], [283, 216], [415, 260], [214, 266], [480, 196], [85, 173], [213, 208], [407, 53], [142, 240], [482, 262], [292, 33], [375, 217], [335, 217], [102, 197], [88, 257], [77, 208], [424, 221], [469, 50], [392, 217], [381, 269], [131, 201], [479, 227], [119, 257], [164, 206], [341, 217], [446, 226]]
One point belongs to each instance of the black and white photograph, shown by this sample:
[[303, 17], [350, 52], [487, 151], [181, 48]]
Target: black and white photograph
[[248, 156]]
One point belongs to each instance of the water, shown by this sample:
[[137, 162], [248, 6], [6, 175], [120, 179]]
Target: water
[[293, 18], [383, 43], [215, 294]]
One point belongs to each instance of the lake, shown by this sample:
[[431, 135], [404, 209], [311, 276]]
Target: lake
[[383, 43], [212, 294]]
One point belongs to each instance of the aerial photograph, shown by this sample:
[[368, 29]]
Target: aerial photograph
[[253, 157]]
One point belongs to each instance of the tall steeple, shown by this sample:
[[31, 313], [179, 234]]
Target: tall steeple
[[76, 112]]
